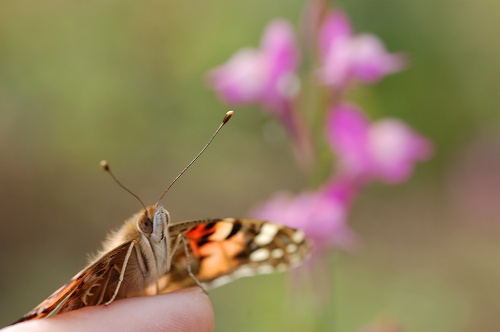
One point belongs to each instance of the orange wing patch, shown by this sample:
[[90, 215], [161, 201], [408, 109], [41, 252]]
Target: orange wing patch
[[218, 258], [216, 244]]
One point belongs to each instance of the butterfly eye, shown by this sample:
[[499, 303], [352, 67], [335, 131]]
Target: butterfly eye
[[146, 225]]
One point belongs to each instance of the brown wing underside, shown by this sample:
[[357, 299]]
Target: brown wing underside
[[92, 286]]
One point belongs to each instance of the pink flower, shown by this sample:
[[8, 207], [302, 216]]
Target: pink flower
[[386, 149], [348, 57], [266, 75], [321, 214]]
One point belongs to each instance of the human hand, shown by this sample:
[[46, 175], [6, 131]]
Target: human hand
[[184, 310]]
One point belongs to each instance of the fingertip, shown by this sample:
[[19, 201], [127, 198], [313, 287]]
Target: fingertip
[[194, 311], [185, 310]]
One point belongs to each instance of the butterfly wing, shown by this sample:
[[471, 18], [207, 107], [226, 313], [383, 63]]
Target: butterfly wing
[[222, 250], [219, 251], [92, 286]]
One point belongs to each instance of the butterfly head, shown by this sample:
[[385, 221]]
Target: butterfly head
[[154, 222]]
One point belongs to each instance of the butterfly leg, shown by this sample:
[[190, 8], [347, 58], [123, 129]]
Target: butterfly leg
[[171, 251], [122, 273], [188, 265]]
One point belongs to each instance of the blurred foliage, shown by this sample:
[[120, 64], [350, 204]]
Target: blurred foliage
[[124, 80]]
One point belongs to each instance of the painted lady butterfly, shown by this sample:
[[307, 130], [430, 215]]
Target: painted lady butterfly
[[148, 255], [145, 257]]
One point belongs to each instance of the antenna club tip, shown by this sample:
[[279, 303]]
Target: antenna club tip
[[227, 116], [104, 165]]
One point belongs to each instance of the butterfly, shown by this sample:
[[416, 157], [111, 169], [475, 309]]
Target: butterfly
[[150, 255]]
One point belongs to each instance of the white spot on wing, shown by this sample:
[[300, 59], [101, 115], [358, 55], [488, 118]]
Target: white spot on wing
[[294, 260], [264, 269], [259, 255], [244, 271], [298, 236], [267, 234], [277, 253], [291, 248]]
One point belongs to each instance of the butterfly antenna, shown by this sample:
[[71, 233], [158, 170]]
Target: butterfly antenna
[[226, 119], [105, 166]]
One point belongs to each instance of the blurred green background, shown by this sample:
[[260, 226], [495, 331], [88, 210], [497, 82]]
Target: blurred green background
[[82, 81]]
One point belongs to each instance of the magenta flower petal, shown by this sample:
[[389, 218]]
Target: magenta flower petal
[[336, 27], [266, 75], [347, 131], [395, 148], [337, 68], [385, 150], [282, 56], [347, 57], [239, 81], [371, 62], [342, 189]]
